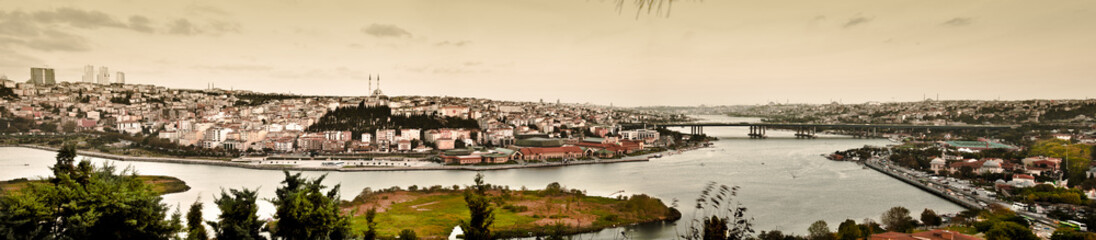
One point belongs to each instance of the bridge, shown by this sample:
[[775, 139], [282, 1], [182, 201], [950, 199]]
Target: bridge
[[809, 130]]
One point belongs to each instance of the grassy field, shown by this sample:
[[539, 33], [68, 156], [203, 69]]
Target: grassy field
[[160, 184], [433, 214]]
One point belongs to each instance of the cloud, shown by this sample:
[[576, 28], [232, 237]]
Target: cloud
[[184, 26], [53, 40], [17, 24], [856, 21], [140, 24], [78, 18], [453, 43], [385, 30], [224, 27], [958, 22], [32, 23]]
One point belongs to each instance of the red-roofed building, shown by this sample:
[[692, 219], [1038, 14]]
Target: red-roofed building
[[538, 153], [936, 234]]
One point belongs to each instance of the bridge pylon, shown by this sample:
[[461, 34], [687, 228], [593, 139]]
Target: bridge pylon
[[757, 132], [805, 132]]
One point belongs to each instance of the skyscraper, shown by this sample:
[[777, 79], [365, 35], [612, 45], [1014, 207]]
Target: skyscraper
[[120, 77], [42, 76], [104, 75], [89, 74]]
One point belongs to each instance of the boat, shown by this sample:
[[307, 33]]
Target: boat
[[657, 155]]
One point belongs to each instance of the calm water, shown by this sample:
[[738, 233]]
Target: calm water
[[784, 182]]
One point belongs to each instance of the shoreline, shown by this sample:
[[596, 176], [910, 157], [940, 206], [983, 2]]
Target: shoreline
[[229, 163]]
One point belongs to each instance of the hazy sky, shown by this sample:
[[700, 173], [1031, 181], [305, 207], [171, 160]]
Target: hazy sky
[[705, 52]]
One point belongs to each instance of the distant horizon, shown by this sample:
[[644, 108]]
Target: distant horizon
[[597, 104]]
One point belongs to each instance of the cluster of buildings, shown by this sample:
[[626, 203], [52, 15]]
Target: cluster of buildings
[[228, 120], [103, 77], [46, 76], [928, 112]]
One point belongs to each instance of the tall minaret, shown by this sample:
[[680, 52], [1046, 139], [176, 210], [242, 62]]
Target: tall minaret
[[370, 92]]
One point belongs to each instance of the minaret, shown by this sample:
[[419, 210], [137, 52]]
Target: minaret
[[370, 92]]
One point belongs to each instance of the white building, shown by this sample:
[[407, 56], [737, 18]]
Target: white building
[[104, 76], [89, 74], [120, 77]]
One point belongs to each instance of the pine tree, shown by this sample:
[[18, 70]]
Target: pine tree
[[478, 227]]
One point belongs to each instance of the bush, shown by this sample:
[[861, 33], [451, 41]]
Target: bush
[[515, 209]]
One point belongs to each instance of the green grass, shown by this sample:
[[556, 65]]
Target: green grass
[[434, 214], [160, 184]]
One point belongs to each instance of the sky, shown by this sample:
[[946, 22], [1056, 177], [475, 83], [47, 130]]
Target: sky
[[714, 52]]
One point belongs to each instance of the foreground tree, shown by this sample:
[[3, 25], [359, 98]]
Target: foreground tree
[[1010, 231], [371, 226], [929, 218], [305, 212], [819, 230], [479, 207], [898, 219], [238, 219], [194, 228], [848, 230], [85, 202], [722, 217]]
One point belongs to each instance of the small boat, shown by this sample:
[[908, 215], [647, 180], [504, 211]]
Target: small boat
[[658, 155]]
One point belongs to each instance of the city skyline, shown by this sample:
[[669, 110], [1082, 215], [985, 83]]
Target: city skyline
[[728, 52]]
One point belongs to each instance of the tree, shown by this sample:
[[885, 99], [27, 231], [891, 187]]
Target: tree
[[86, 202], [1070, 234], [477, 228], [898, 219], [408, 234], [929, 218], [1010, 231], [819, 230], [848, 230], [195, 229], [303, 211], [966, 171], [238, 219], [64, 168], [371, 226]]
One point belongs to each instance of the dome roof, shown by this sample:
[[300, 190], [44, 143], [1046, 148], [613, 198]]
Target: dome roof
[[938, 161]]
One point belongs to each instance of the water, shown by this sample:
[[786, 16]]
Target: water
[[784, 182]]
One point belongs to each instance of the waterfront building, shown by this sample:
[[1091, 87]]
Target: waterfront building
[[544, 153], [42, 76]]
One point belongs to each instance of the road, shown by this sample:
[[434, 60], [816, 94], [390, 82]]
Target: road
[[964, 193]]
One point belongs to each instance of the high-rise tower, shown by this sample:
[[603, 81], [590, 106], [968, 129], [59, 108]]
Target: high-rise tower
[[104, 75], [89, 74], [120, 77], [42, 76]]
